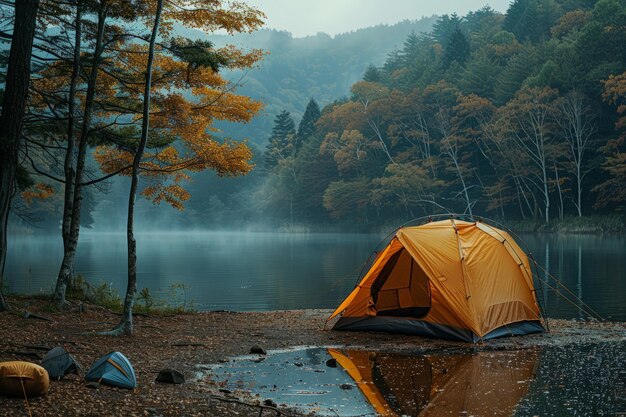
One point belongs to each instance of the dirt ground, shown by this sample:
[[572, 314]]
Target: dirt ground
[[184, 341]]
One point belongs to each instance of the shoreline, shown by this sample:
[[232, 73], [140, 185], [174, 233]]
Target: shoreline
[[184, 341]]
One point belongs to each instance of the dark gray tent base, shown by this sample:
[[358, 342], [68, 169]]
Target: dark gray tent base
[[422, 328]]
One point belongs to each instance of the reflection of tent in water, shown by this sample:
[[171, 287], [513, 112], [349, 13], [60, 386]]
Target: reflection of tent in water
[[451, 279], [444, 385]]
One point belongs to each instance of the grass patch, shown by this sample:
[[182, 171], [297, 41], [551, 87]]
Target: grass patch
[[174, 301], [103, 294]]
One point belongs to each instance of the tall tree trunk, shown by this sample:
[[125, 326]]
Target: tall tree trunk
[[126, 323], [558, 187], [577, 122], [74, 196], [546, 195], [579, 191], [518, 189], [12, 116], [379, 135], [467, 199]]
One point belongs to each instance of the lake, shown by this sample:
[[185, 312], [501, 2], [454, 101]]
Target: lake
[[245, 271]]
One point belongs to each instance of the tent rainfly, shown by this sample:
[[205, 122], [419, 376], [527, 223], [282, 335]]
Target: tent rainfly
[[58, 362], [450, 279], [113, 369]]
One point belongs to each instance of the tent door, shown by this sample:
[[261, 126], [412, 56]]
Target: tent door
[[401, 289]]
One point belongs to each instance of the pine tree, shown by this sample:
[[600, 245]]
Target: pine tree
[[511, 78], [457, 49], [372, 74], [306, 128], [531, 19], [282, 133], [411, 50], [393, 62], [480, 75], [474, 20], [445, 26]]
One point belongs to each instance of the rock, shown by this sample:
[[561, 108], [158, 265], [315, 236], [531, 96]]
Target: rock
[[170, 376], [331, 363], [345, 386], [270, 403], [92, 385], [258, 350]]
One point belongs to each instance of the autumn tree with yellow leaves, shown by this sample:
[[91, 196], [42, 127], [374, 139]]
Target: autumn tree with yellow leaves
[[103, 68], [185, 123]]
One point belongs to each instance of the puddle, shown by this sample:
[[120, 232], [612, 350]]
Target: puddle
[[551, 382]]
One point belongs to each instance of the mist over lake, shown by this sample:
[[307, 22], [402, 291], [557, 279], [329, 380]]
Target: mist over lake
[[261, 271]]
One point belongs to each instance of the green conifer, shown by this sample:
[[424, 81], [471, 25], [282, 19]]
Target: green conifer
[[282, 133], [306, 128]]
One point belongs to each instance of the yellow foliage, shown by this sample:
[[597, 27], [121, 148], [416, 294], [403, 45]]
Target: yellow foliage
[[186, 99], [615, 93], [211, 15], [38, 191], [174, 194], [350, 150]]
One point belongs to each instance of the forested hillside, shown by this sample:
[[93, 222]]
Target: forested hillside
[[514, 116], [518, 116]]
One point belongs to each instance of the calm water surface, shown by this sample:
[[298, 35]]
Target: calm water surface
[[565, 381], [267, 271]]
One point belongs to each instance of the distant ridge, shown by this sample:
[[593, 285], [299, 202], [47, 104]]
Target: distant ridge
[[319, 66]]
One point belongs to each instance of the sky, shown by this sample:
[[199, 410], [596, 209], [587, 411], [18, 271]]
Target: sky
[[308, 17]]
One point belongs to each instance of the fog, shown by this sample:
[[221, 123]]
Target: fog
[[303, 18]]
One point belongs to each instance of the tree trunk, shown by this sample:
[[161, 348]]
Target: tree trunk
[[68, 166], [579, 190], [291, 210], [558, 186], [467, 199], [546, 195], [74, 196], [126, 323], [12, 117]]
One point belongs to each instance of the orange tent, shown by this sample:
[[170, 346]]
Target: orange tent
[[451, 279]]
